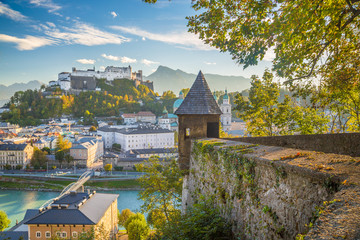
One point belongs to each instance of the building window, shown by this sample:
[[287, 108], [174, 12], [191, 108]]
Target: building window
[[74, 234], [64, 234], [38, 234], [48, 234]]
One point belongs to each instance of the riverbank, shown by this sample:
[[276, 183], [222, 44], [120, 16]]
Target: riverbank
[[29, 184]]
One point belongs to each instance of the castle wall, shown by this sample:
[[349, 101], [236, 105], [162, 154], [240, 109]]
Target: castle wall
[[276, 193]]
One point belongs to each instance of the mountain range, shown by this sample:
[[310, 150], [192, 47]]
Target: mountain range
[[6, 92], [165, 78]]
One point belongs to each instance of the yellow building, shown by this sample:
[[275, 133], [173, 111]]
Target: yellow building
[[15, 154], [90, 214]]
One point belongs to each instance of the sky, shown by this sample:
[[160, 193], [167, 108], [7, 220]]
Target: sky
[[41, 38]]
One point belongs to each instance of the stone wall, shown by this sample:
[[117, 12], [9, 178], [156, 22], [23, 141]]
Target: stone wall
[[340, 143], [268, 192]]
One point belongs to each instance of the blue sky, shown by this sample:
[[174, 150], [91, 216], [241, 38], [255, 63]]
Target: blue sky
[[40, 38]]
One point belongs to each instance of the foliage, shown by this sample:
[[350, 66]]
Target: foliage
[[309, 38], [137, 229], [38, 158], [116, 147], [162, 186], [132, 217], [61, 144], [108, 167], [265, 115], [92, 129], [68, 158], [47, 150], [123, 217], [156, 218], [201, 221], [4, 221]]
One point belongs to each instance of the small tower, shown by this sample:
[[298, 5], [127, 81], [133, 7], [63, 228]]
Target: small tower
[[225, 117], [199, 117], [215, 97], [178, 102]]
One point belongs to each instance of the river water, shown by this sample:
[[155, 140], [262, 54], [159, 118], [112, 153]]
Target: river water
[[15, 203]]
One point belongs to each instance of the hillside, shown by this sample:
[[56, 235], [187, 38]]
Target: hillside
[[165, 78], [6, 92]]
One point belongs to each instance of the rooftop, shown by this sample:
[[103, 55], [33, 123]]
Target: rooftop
[[12, 147], [199, 100], [75, 209], [131, 131]]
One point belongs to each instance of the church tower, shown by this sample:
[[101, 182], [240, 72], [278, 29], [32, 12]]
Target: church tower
[[225, 117]]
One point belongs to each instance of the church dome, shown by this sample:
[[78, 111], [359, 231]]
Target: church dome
[[177, 103], [226, 96]]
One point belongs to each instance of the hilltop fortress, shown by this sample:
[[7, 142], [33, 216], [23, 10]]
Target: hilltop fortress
[[86, 79]]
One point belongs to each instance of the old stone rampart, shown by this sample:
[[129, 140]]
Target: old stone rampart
[[269, 192], [340, 143]]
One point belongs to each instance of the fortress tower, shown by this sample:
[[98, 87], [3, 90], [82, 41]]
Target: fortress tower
[[199, 117], [225, 117]]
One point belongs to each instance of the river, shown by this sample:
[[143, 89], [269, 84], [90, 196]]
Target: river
[[15, 203]]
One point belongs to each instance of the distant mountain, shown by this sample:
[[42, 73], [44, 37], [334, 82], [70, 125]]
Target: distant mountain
[[6, 92], [165, 78]]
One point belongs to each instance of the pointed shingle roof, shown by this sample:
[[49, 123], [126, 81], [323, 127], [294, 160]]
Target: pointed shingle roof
[[199, 100]]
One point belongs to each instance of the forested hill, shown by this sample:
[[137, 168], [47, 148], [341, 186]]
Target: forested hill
[[165, 78], [7, 91]]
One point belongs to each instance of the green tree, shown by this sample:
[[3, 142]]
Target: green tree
[[156, 218], [38, 158], [162, 186], [92, 129], [68, 158], [124, 215], [47, 150], [108, 167], [60, 156], [4, 221], [138, 230], [132, 217], [116, 147]]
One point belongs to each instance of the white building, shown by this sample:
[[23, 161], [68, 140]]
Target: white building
[[14, 155], [87, 150], [145, 117], [109, 74], [137, 138], [225, 117]]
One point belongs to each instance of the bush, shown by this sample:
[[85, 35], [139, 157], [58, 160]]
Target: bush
[[201, 221], [123, 217], [8, 167], [118, 168], [4, 221], [138, 229], [133, 217], [18, 167], [108, 167]]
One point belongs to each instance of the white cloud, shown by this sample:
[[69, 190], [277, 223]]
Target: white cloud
[[85, 34], [86, 61], [27, 43], [128, 60], [148, 62], [114, 14], [143, 38], [110, 57], [102, 68], [184, 39], [210, 63], [51, 24], [10, 13], [49, 4]]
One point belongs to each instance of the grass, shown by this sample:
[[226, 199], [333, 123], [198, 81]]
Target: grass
[[26, 183]]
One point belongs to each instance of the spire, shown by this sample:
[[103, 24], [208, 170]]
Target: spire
[[199, 100]]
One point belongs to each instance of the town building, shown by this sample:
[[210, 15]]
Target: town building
[[225, 117], [142, 137], [168, 121], [15, 155], [145, 117], [87, 150], [73, 215], [147, 153]]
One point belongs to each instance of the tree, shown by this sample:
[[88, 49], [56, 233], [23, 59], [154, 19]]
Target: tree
[[162, 186], [68, 158], [308, 38], [108, 167], [60, 156], [47, 150], [136, 216], [62, 144], [156, 218], [266, 115], [4, 221], [138, 230], [116, 147], [92, 129], [123, 217], [38, 158]]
